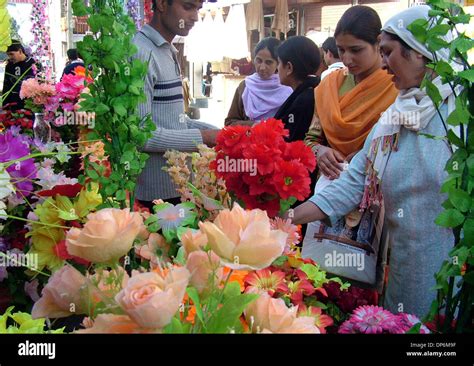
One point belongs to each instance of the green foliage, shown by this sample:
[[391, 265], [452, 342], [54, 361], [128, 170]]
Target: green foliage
[[23, 323], [114, 97], [458, 212]]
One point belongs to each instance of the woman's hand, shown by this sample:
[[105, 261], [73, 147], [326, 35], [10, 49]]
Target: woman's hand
[[329, 161], [242, 123]]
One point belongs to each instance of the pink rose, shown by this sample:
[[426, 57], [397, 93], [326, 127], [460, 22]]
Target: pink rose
[[112, 324], [193, 240], [62, 296]]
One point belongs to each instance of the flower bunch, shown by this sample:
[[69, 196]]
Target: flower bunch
[[20, 117], [37, 93], [370, 319], [260, 168], [199, 184], [14, 148]]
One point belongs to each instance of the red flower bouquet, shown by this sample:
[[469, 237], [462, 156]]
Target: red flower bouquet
[[261, 169]]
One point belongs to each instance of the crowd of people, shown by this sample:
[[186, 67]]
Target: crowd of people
[[372, 69]]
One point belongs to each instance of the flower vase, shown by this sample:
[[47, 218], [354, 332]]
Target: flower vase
[[42, 128]]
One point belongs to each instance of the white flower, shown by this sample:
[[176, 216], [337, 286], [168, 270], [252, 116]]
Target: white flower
[[6, 188], [3, 213]]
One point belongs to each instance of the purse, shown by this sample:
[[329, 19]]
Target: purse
[[352, 247]]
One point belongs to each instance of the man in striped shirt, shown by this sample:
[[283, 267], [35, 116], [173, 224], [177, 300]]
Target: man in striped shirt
[[165, 102]]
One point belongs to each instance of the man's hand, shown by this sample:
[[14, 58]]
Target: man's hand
[[209, 137]]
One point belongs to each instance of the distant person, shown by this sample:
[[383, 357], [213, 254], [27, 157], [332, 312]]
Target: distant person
[[73, 61], [261, 94], [331, 57], [19, 67]]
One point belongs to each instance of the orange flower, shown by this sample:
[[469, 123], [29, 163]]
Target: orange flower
[[236, 276]]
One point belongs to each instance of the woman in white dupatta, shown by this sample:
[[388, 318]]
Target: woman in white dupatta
[[402, 167]]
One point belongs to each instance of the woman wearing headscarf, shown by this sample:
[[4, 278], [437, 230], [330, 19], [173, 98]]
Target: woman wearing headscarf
[[261, 94], [402, 167]]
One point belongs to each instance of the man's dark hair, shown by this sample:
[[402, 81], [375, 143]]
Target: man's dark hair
[[15, 46], [330, 45], [362, 22], [153, 7], [270, 43], [72, 54], [303, 54]]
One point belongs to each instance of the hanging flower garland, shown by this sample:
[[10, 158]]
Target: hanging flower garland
[[4, 26], [148, 11], [133, 9], [42, 39]]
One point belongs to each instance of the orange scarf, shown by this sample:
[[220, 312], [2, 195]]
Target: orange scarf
[[346, 121]]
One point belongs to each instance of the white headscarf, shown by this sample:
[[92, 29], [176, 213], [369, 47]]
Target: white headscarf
[[413, 108]]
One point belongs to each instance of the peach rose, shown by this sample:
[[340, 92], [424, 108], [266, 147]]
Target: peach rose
[[269, 315], [111, 323], [107, 235], [244, 239], [203, 266], [151, 299], [193, 240], [61, 296]]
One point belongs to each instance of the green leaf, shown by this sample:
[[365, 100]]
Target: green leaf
[[440, 29], [468, 229], [462, 44], [175, 327], [450, 218], [460, 199], [101, 109], [418, 28], [454, 139], [415, 329], [180, 259], [432, 91], [443, 68], [467, 74], [232, 289], [194, 296], [68, 215], [92, 174], [228, 315], [469, 277], [79, 8], [120, 110], [280, 261], [470, 165], [120, 195]]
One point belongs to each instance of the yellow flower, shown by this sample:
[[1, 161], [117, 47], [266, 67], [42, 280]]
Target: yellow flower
[[88, 200], [4, 26]]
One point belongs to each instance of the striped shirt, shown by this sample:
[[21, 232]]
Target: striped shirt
[[165, 102]]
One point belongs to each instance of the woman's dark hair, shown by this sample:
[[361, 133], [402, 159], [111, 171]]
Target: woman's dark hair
[[330, 45], [302, 53], [154, 7], [360, 21], [270, 43], [405, 47]]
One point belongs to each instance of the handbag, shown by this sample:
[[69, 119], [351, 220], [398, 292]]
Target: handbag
[[352, 247]]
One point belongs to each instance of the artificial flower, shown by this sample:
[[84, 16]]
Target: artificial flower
[[205, 270], [193, 240], [107, 235], [269, 315], [322, 321], [244, 239], [151, 299], [62, 295], [89, 198], [112, 324], [266, 280]]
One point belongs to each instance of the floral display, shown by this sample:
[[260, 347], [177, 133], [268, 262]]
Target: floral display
[[42, 39], [37, 94], [260, 168]]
